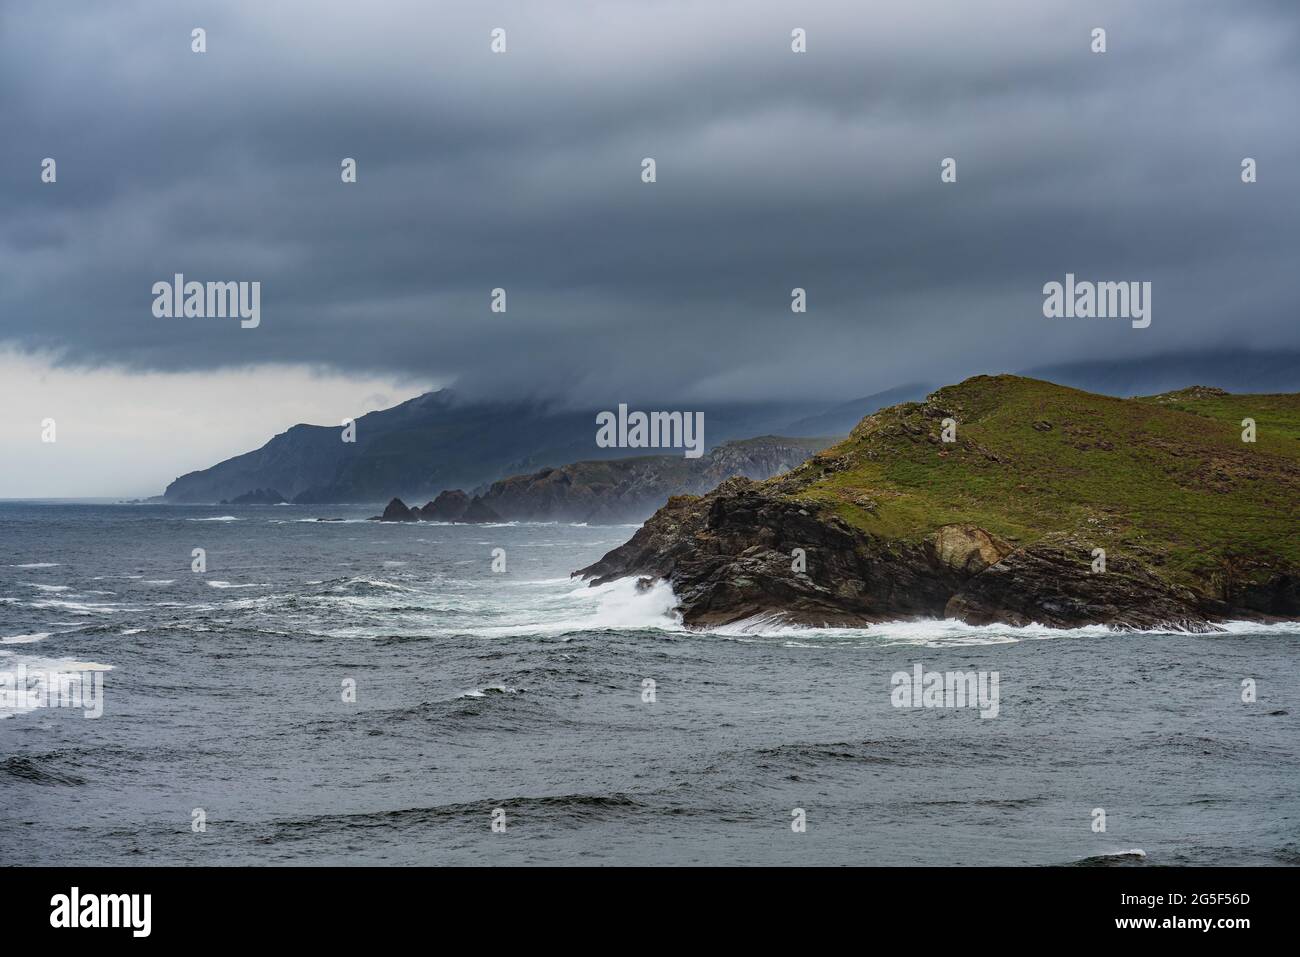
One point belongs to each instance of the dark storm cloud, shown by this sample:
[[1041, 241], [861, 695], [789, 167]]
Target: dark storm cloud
[[523, 171]]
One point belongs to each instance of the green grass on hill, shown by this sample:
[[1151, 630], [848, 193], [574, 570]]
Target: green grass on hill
[[1161, 478]]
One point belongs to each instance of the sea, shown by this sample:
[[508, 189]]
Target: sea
[[320, 689]]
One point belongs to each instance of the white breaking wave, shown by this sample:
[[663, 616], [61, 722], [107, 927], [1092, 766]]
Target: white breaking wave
[[11, 662], [373, 583], [483, 692], [949, 632], [37, 565], [216, 518], [221, 584], [80, 607], [621, 605], [1132, 852], [321, 521], [615, 606], [25, 639]]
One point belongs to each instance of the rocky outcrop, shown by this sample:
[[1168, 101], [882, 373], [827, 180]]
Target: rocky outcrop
[[396, 511], [1083, 522], [1052, 583], [480, 512], [449, 506], [966, 549], [627, 491], [734, 555], [439, 510]]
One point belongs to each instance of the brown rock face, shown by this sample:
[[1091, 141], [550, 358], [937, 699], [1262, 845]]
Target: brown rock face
[[1052, 583], [730, 556], [968, 550]]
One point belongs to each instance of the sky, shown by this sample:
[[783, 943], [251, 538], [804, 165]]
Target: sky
[[522, 170]]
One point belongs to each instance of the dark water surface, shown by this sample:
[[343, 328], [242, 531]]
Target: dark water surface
[[523, 691]]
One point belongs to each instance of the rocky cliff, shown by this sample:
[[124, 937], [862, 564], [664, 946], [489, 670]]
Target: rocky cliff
[[630, 490], [1049, 505]]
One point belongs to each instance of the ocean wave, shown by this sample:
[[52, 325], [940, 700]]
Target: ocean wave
[[32, 663], [80, 607], [37, 565], [814, 756], [952, 633], [365, 584], [25, 639], [216, 518], [321, 521], [224, 584], [488, 690], [1112, 859], [571, 810], [12, 661], [614, 606], [36, 771]]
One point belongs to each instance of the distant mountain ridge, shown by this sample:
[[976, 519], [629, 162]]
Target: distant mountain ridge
[[437, 441], [440, 440]]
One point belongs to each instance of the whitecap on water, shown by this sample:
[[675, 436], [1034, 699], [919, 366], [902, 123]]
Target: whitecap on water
[[951, 633], [11, 662], [79, 607], [370, 583], [25, 639], [490, 689], [615, 606]]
